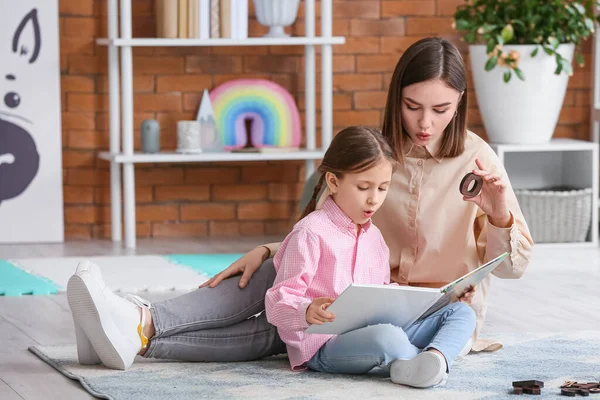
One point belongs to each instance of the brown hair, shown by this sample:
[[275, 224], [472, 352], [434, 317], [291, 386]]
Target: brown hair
[[427, 59], [353, 150]]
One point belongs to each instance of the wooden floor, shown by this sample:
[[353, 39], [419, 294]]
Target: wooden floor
[[559, 292]]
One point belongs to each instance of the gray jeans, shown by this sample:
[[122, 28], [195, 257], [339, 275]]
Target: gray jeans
[[217, 324]]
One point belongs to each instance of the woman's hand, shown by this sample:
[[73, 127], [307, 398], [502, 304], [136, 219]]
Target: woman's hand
[[246, 265], [467, 296], [316, 314], [492, 197]]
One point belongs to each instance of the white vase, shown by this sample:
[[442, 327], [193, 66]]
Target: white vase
[[188, 137], [276, 14], [520, 112]]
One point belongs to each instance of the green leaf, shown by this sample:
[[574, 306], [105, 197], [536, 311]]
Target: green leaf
[[487, 28], [470, 37], [491, 63], [500, 40], [507, 33], [462, 25], [589, 24], [566, 66], [558, 69], [580, 59], [519, 74], [548, 51], [579, 8], [507, 76], [534, 52], [518, 22], [554, 42], [490, 45]]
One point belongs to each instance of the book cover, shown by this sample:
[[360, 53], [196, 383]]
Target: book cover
[[204, 19], [169, 17], [193, 19], [225, 16], [159, 18], [182, 29], [215, 16]]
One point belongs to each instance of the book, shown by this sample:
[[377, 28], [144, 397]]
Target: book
[[204, 19], [167, 16], [159, 11], [226, 18], [215, 16], [183, 19], [193, 19], [241, 24], [362, 305]]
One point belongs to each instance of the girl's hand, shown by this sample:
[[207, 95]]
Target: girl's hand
[[246, 265], [492, 197], [467, 296], [316, 314]]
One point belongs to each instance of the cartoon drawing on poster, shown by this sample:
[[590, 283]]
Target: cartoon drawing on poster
[[19, 158], [31, 204]]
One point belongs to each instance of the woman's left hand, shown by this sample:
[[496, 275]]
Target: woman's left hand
[[492, 197]]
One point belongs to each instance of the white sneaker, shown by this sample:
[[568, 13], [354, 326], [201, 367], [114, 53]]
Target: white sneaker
[[427, 369], [108, 321], [85, 351]]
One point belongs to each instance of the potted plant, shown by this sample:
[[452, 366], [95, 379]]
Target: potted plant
[[521, 54]]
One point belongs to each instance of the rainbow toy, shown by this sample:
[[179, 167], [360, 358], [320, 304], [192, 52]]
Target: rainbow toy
[[276, 120]]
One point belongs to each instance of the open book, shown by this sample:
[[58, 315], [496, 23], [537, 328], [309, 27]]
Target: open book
[[363, 305]]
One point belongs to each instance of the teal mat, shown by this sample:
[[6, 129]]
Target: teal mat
[[207, 264], [16, 282]]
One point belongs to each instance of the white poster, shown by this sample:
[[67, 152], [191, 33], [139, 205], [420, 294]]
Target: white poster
[[31, 202]]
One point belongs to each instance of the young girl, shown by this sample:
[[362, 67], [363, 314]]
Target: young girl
[[335, 246], [433, 233]]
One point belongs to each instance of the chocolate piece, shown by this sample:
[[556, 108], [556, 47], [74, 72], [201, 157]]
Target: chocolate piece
[[569, 384], [530, 383], [532, 390], [568, 392], [583, 392], [518, 390], [466, 183]]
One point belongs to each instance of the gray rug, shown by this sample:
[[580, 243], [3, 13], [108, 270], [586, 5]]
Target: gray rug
[[552, 358]]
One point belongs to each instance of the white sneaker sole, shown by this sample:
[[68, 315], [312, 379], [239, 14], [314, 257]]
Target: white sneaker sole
[[96, 322], [423, 371], [85, 351]]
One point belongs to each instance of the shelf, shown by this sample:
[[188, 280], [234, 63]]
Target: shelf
[[561, 144], [253, 41], [173, 157]]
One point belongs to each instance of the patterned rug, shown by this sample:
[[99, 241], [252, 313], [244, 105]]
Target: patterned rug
[[552, 358]]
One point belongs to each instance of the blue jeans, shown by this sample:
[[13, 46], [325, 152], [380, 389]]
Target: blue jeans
[[361, 350]]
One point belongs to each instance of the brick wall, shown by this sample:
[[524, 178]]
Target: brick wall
[[231, 199]]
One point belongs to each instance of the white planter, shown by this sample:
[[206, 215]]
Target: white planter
[[520, 112], [276, 14]]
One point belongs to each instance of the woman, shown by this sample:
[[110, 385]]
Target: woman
[[434, 234]]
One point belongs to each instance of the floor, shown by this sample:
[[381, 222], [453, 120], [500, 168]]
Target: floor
[[558, 293]]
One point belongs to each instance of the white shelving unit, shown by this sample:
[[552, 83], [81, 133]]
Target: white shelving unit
[[120, 75], [560, 162]]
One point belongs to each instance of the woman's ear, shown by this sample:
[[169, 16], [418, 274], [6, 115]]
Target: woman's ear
[[332, 182]]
